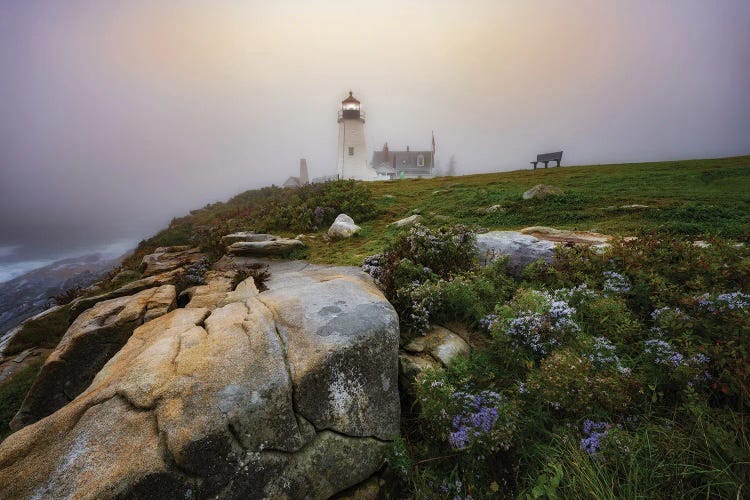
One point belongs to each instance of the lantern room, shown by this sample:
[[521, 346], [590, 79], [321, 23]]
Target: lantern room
[[350, 108]]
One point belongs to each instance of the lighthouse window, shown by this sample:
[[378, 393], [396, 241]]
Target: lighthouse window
[[351, 151], [420, 161]]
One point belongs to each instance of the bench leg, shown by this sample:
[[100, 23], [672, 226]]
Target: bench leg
[[558, 162], [545, 164], [533, 163]]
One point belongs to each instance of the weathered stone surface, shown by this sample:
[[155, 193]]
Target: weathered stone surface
[[521, 249], [343, 227], [170, 258], [407, 222], [541, 191], [437, 349], [167, 278], [325, 466], [442, 344], [210, 295], [93, 338], [286, 393], [565, 236], [246, 236], [342, 346], [86, 452], [410, 367], [281, 246], [367, 490]]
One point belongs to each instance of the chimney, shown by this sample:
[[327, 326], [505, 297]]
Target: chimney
[[303, 179]]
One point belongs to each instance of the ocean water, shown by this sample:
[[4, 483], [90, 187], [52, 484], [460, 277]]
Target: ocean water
[[16, 260]]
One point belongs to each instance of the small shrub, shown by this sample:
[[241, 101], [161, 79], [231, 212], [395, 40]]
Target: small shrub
[[535, 323], [570, 383], [432, 275], [68, 296], [193, 275]]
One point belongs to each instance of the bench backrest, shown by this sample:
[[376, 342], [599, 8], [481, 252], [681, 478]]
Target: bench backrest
[[549, 156]]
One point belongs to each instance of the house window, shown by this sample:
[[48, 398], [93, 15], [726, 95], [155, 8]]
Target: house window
[[420, 161], [351, 151]]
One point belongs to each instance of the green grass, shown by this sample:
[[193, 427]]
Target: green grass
[[693, 197], [43, 332], [12, 393], [696, 197]]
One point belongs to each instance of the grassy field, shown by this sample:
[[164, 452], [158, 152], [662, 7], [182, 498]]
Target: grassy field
[[695, 197], [698, 198]]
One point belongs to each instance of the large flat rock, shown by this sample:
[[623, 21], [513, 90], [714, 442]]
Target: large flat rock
[[286, 393]]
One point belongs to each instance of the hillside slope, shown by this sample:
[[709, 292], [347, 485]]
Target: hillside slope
[[692, 197]]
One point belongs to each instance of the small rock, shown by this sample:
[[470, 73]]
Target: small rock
[[521, 249], [407, 222], [170, 258], [172, 249], [495, 208], [239, 236], [565, 236], [541, 191], [410, 367], [416, 211], [281, 246], [442, 344], [343, 227]]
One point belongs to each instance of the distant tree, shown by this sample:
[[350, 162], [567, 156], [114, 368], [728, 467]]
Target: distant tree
[[451, 166], [437, 170]]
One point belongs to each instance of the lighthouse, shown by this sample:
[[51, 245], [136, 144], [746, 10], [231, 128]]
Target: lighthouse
[[352, 160]]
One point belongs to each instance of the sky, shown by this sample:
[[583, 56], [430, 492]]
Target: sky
[[117, 116]]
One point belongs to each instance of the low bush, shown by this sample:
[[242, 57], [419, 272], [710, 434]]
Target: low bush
[[68, 296], [432, 276], [308, 208]]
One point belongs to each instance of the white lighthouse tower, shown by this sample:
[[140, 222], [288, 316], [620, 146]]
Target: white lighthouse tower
[[352, 161]]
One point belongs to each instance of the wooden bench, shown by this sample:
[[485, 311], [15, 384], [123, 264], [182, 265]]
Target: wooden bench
[[546, 158]]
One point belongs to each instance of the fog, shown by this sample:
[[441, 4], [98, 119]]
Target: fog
[[117, 116]]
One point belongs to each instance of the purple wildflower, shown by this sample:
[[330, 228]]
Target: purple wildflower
[[593, 433], [478, 418], [616, 283]]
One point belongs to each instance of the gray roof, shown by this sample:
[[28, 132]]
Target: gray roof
[[403, 161]]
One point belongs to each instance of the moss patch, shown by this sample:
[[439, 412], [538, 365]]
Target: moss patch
[[12, 394]]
